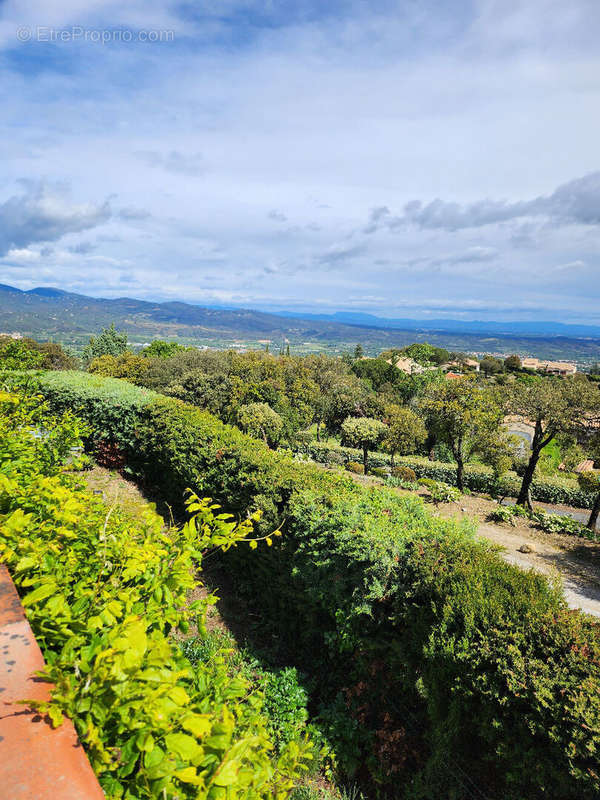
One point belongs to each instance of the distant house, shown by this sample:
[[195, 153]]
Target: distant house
[[407, 365], [452, 376], [465, 365], [13, 335], [562, 368]]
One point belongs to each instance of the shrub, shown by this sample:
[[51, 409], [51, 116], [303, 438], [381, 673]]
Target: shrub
[[478, 478], [102, 593], [443, 493], [502, 514], [405, 474], [435, 658], [380, 472], [557, 523], [354, 466], [81, 463], [398, 483]]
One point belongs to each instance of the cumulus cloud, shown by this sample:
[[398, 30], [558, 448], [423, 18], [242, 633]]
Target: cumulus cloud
[[44, 214], [174, 161], [83, 248], [131, 213], [576, 202], [277, 216], [339, 253], [316, 113]]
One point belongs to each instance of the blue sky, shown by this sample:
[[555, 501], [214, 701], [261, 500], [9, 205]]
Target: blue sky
[[412, 159]]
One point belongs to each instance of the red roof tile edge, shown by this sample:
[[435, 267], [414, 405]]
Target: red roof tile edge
[[37, 762]]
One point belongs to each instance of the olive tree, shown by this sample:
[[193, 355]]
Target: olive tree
[[554, 407], [464, 415], [260, 421], [365, 433], [405, 433], [590, 482]]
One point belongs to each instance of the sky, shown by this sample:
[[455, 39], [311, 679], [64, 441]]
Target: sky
[[407, 158]]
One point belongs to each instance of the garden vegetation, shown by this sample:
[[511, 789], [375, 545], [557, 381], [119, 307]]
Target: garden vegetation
[[440, 670]]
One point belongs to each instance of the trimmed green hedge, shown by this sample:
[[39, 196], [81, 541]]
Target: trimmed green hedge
[[103, 593], [478, 478], [443, 667]]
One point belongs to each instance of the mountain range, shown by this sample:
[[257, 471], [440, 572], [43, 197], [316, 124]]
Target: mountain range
[[51, 313]]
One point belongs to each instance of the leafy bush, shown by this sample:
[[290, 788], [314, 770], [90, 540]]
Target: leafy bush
[[405, 473], [380, 472], [443, 492], [557, 523], [502, 514], [19, 354], [285, 699], [354, 466], [81, 463], [102, 593], [398, 483], [436, 659]]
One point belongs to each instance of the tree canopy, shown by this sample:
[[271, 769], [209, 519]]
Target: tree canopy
[[365, 433]]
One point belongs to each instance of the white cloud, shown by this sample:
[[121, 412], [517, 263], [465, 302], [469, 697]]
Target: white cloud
[[44, 214], [243, 160]]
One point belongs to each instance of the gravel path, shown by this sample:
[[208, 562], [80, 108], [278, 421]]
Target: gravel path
[[575, 562]]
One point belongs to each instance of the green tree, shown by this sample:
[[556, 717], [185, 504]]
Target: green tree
[[377, 371], [18, 354], [463, 415], [161, 349], [260, 421], [512, 363], [424, 353], [491, 365], [346, 397], [556, 407], [358, 351], [211, 392], [110, 342], [127, 366], [365, 433], [590, 482], [405, 433]]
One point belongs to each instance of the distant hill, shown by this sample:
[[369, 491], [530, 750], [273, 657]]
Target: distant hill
[[542, 328], [50, 313]]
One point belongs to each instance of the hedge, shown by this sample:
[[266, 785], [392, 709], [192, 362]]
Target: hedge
[[446, 672], [478, 478], [103, 591]]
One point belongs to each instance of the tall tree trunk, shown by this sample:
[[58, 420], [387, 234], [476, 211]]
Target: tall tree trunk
[[318, 431], [392, 459], [593, 520], [524, 498], [365, 460], [460, 474]]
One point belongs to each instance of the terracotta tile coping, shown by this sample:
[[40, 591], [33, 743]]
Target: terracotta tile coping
[[37, 762]]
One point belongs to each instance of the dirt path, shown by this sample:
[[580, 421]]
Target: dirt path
[[574, 561], [116, 490]]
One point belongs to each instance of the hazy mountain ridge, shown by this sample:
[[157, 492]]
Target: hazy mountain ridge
[[541, 328], [47, 312]]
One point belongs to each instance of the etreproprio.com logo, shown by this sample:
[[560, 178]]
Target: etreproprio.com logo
[[77, 33]]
